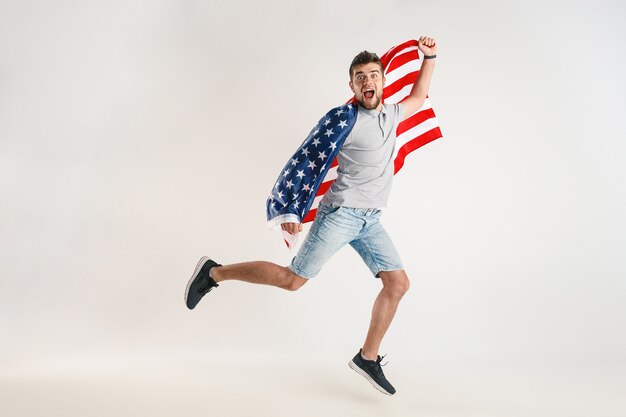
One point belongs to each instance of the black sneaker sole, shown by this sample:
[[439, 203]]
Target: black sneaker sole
[[364, 374], [199, 266]]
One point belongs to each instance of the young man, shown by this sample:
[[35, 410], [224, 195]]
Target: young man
[[349, 212]]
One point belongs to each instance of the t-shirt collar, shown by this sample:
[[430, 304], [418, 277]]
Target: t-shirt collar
[[373, 112]]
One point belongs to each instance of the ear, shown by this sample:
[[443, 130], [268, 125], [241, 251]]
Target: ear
[[384, 80], [351, 86]]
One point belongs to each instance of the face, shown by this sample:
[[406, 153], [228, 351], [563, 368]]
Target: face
[[367, 85]]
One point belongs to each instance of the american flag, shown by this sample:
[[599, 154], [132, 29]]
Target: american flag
[[312, 169]]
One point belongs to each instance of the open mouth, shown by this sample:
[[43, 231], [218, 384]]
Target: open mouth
[[368, 94]]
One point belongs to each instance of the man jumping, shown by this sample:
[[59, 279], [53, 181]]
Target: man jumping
[[349, 212]]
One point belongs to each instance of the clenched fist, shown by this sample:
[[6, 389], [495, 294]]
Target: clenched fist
[[291, 228], [427, 45]]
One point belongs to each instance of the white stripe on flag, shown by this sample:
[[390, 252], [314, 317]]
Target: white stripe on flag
[[400, 72], [400, 95], [413, 133], [316, 202], [331, 174]]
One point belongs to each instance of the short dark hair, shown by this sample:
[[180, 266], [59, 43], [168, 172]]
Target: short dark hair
[[363, 58]]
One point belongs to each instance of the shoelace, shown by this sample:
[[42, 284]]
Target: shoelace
[[207, 288], [377, 367], [380, 359]]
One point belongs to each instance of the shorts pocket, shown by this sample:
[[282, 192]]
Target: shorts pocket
[[326, 210]]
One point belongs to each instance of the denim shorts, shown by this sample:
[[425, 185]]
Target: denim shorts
[[334, 227]]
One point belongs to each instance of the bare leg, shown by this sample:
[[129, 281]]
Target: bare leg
[[259, 272], [395, 285]]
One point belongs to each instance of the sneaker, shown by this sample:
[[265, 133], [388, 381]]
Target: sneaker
[[200, 282], [373, 372]]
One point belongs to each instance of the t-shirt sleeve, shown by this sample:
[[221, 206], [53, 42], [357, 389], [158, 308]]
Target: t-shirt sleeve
[[398, 111], [398, 114]]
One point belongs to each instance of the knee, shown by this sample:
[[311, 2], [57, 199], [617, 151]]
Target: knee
[[398, 285], [293, 281], [406, 284], [402, 286]]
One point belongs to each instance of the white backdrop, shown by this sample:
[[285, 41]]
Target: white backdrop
[[135, 138]]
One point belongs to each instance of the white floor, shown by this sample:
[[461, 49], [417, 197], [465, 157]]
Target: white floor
[[209, 386]]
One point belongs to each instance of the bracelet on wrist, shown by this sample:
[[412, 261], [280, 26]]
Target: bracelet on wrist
[[430, 56]]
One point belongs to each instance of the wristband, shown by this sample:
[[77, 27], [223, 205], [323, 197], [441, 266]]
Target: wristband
[[430, 56]]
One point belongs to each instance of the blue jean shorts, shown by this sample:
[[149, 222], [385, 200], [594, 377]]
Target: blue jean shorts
[[333, 228]]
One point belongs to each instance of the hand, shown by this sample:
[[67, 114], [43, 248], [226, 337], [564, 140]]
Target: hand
[[427, 45], [291, 228]]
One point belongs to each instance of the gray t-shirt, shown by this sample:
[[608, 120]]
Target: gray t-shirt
[[365, 170]]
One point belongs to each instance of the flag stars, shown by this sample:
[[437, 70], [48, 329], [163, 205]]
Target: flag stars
[[296, 187]]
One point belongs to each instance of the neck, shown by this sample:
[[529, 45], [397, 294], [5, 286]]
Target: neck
[[378, 108]]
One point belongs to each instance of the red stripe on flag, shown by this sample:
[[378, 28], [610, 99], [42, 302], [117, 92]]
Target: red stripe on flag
[[417, 118], [309, 216], [401, 60], [324, 187], [398, 85], [388, 56], [413, 144]]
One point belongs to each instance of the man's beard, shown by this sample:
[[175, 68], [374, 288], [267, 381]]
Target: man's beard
[[372, 105]]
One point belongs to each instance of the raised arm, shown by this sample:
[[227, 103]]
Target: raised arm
[[415, 100]]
